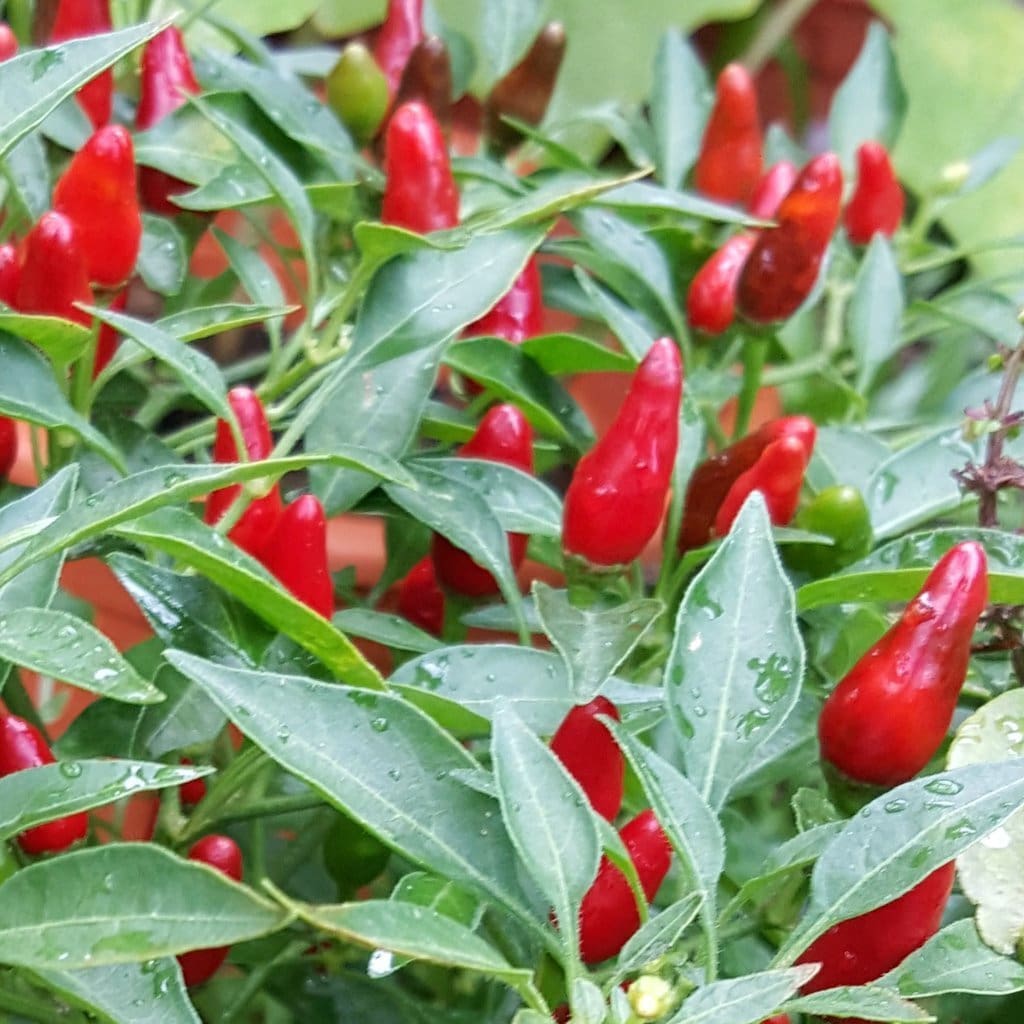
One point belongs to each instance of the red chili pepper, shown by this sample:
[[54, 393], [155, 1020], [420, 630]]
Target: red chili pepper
[[421, 599], [877, 202], [419, 192], [779, 1018], [222, 854], [890, 714], [53, 276], [191, 793], [397, 37], [503, 436], [8, 42], [561, 1014], [8, 445], [713, 479], [166, 80], [711, 298], [297, 554], [778, 475], [772, 189], [608, 913], [862, 949], [106, 342], [253, 531], [780, 272], [9, 272], [591, 756], [98, 192], [617, 496], [76, 19], [729, 164], [22, 746], [519, 313]]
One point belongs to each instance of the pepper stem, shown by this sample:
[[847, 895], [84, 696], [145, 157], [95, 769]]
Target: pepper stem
[[755, 352]]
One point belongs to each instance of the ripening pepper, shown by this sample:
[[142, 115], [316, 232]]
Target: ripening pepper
[[397, 38], [783, 266], [519, 313], [222, 854], [106, 340], [98, 192], [711, 297], [353, 856], [772, 189], [421, 599], [76, 19], [419, 191], [877, 202], [8, 42], [191, 793], [22, 746], [777, 475], [617, 496], [297, 554], [357, 92], [712, 479], [841, 513], [428, 78], [504, 436], [9, 272], [608, 912], [253, 530], [889, 715], [166, 80], [729, 163], [53, 277], [591, 756]]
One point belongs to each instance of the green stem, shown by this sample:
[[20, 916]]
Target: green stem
[[268, 807], [258, 977], [34, 1009], [774, 30], [789, 372], [755, 351], [248, 764]]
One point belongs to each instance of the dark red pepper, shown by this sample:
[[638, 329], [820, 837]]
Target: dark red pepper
[[877, 202], [783, 266], [778, 475], [519, 313], [222, 854], [22, 746], [505, 436], [712, 479], [608, 913], [617, 496], [772, 189], [397, 38], [53, 276], [166, 80], [76, 19], [253, 530], [711, 298], [421, 599], [889, 715], [106, 341], [8, 42], [191, 793], [729, 163], [8, 445], [9, 271], [428, 77], [419, 192], [561, 1014], [297, 554], [591, 756]]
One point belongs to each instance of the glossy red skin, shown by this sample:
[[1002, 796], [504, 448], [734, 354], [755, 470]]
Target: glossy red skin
[[78, 18], [505, 436], [864, 948], [419, 191], [891, 712], [772, 189], [253, 531], [421, 599], [98, 191], [8, 445], [712, 479], [519, 313], [191, 793], [779, 1018], [877, 202], [53, 277], [608, 913], [22, 746], [223, 854], [8, 42], [297, 554], [729, 163], [9, 273], [711, 298], [591, 756], [106, 342], [783, 266], [617, 496], [398, 37], [778, 475]]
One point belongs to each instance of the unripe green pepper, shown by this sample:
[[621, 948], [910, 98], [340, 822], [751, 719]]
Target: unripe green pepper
[[357, 91], [353, 857], [838, 512]]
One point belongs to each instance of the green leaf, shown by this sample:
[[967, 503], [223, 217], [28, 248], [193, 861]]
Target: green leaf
[[868, 1002], [34, 82], [28, 175], [163, 261], [507, 29], [640, 197], [955, 960], [123, 903], [37, 795], [383, 628], [844, 455], [876, 311], [871, 102], [657, 936], [680, 103], [900, 838], [742, 1000], [593, 642], [203, 321], [734, 672], [630, 326], [564, 354]]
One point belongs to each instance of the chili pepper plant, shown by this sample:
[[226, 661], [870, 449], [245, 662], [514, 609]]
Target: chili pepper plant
[[699, 704]]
